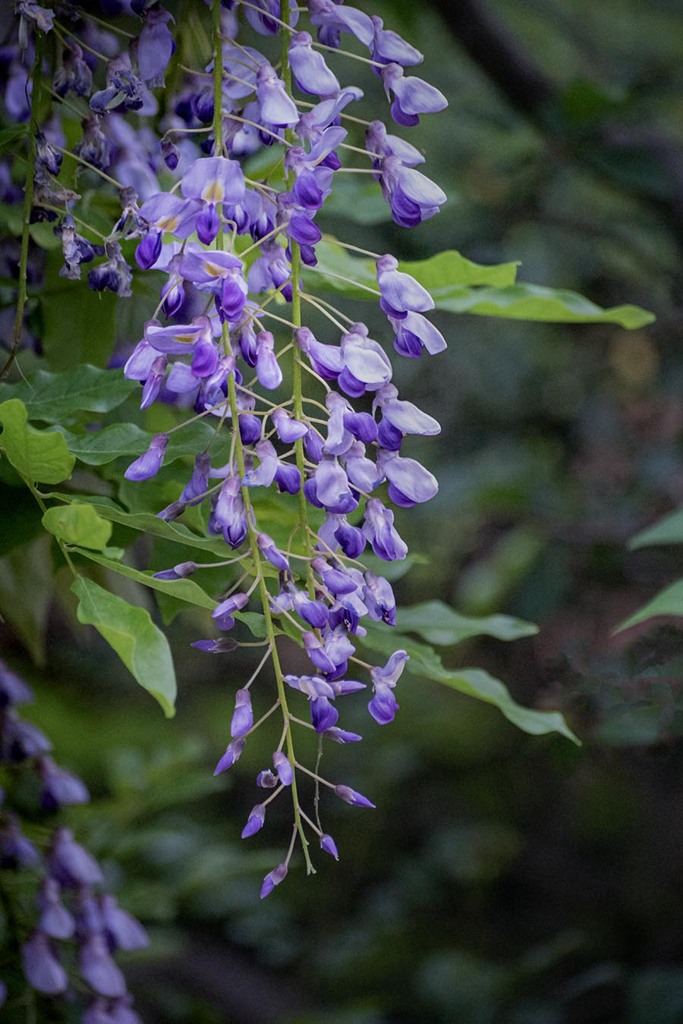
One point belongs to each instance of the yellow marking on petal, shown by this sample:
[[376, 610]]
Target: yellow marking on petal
[[169, 223], [185, 339], [214, 269], [213, 192]]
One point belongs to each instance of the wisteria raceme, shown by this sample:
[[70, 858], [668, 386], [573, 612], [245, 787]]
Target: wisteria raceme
[[71, 913], [229, 344]]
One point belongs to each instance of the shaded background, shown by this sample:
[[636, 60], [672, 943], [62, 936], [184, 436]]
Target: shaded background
[[503, 879]]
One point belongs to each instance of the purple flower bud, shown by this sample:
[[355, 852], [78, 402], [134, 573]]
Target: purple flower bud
[[414, 333], [257, 816], [378, 528], [383, 705], [379, 598], [310, 71], [329, 15], [342, 736], [283, 767], [312, 612], [328, 844], [400, 293], [99, 970], [288, 429], [288, 478], [267, 369], [179, 572], [271, 552], [13, 690], [15, 849], [149, 463], [223, 612], [243, 715], [390, 48], [323, 714], [350, 796], [231, 755], [278, 110], [408, 477], [412, 96], [122, 929], [272, 879], [250, 428], [42, 969], [266, 779], [70, 863], [221, 646], [55, 920], [60, 787]]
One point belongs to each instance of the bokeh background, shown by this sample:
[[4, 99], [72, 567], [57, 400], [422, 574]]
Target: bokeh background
[[503, 879]]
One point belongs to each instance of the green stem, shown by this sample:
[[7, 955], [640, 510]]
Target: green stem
[[246, 496], [217, 79], [36, 80]]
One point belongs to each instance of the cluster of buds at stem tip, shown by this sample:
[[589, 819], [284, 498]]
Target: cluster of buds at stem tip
[[229, 340]]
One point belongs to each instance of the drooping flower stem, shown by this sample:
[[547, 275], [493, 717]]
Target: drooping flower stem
[[254, 549]]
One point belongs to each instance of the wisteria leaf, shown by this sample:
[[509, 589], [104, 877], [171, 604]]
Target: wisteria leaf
[[534, 302], [129, 630], [668, 602], [184, 589], [53, 397], [667, 531], [103, 446], [78, 524], [38, 455], [438, 624], [426, 663], [145, 522]]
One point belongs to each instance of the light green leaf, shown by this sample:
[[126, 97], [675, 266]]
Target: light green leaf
[[131, 633], [37, 455], [185, 589], [449, 269], [668, 602], [439, 274], [426, 663], [667, 531], [52, 397], [254, 621], [534, 302], [78, 524], [145, 522], [438, 624], [456, 285]]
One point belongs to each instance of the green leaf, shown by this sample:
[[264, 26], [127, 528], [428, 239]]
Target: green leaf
[[37, 455], [360, 202], [254, 621], [102, 446], [667, 531], [145, 522], [667, 602], [440, 274], [52, 397], [473, 682], [78, 324], [78, 524], [26, 585], [438, 624], [185, 590], [131, 633], [534, 302]]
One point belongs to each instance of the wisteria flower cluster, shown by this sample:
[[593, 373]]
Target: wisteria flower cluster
[[71, 926], [311, 415]]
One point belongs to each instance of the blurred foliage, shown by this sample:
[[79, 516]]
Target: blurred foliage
[[503, 879]]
